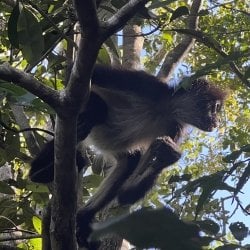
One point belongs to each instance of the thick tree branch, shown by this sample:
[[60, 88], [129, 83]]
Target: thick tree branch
[[118, 20], [92, 37], [64, 203], [78, 87], [180, 51], [132, 46], [87, 17], [73, 99], [28, 82]]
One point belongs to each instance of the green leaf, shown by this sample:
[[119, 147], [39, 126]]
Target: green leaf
[[204, 198], [203, 12], [92, 181], [158, 4], [8, 212], [13, 144], [233, 156], [12, 89], [167, 36], [35, 244], [245, 148], [247, 73], [12, 26], [39, 105], [103, 56], [37, 188], [50, 40], [243, 179], [113, 47], [146, 228], [5, 188], [239, 230], [186, 83], [209, 184], [30, 36], [180, 11], [209, 226], [37, 223], [55, 61], [206, 70], [227, 247]]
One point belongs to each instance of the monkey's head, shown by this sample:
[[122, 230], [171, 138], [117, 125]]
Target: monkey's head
[[206, 103]]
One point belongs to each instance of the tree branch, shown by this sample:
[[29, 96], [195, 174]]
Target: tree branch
[[73, 99], [132, 46], [118, 20], [92, 37], [23, 237], [78, 87], [87, 16], [212, 43], [64, 202], [28, 82], [23, 122], [180, 51]]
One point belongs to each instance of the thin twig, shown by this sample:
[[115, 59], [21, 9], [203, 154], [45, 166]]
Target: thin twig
[[25, 129]]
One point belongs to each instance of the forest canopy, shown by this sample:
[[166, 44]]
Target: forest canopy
[[41, 95]]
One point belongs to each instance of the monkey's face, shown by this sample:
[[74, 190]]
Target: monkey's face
[[209, 115], [208, 101]]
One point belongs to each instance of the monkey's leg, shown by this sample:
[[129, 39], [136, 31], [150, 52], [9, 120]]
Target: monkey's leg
[[42, 167], [162, 153], [105, 193]]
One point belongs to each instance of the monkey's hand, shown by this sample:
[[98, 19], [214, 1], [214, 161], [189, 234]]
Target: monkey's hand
[[84, 218], [162, 153]]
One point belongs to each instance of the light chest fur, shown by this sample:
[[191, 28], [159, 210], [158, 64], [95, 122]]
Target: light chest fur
[[130, 118]]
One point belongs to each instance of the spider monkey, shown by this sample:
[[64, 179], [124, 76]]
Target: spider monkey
[[126, 112]]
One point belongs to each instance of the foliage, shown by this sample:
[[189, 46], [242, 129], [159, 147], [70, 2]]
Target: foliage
[[159, 228], [214, 171]]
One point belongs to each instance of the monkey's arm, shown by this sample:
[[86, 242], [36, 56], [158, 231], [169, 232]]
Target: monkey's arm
[[126, 164], [162, 153], [42, 167], [128, 182]]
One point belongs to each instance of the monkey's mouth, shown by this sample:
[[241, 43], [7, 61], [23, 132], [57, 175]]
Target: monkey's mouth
[[213, 122]]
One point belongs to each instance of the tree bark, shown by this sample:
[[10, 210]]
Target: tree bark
[[175, 56], [132, 46]]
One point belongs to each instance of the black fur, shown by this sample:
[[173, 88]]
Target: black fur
[[42, 167], [126, 165], [126, 112], [139, 82]]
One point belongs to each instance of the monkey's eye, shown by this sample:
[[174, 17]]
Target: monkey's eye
[[216, 107]]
